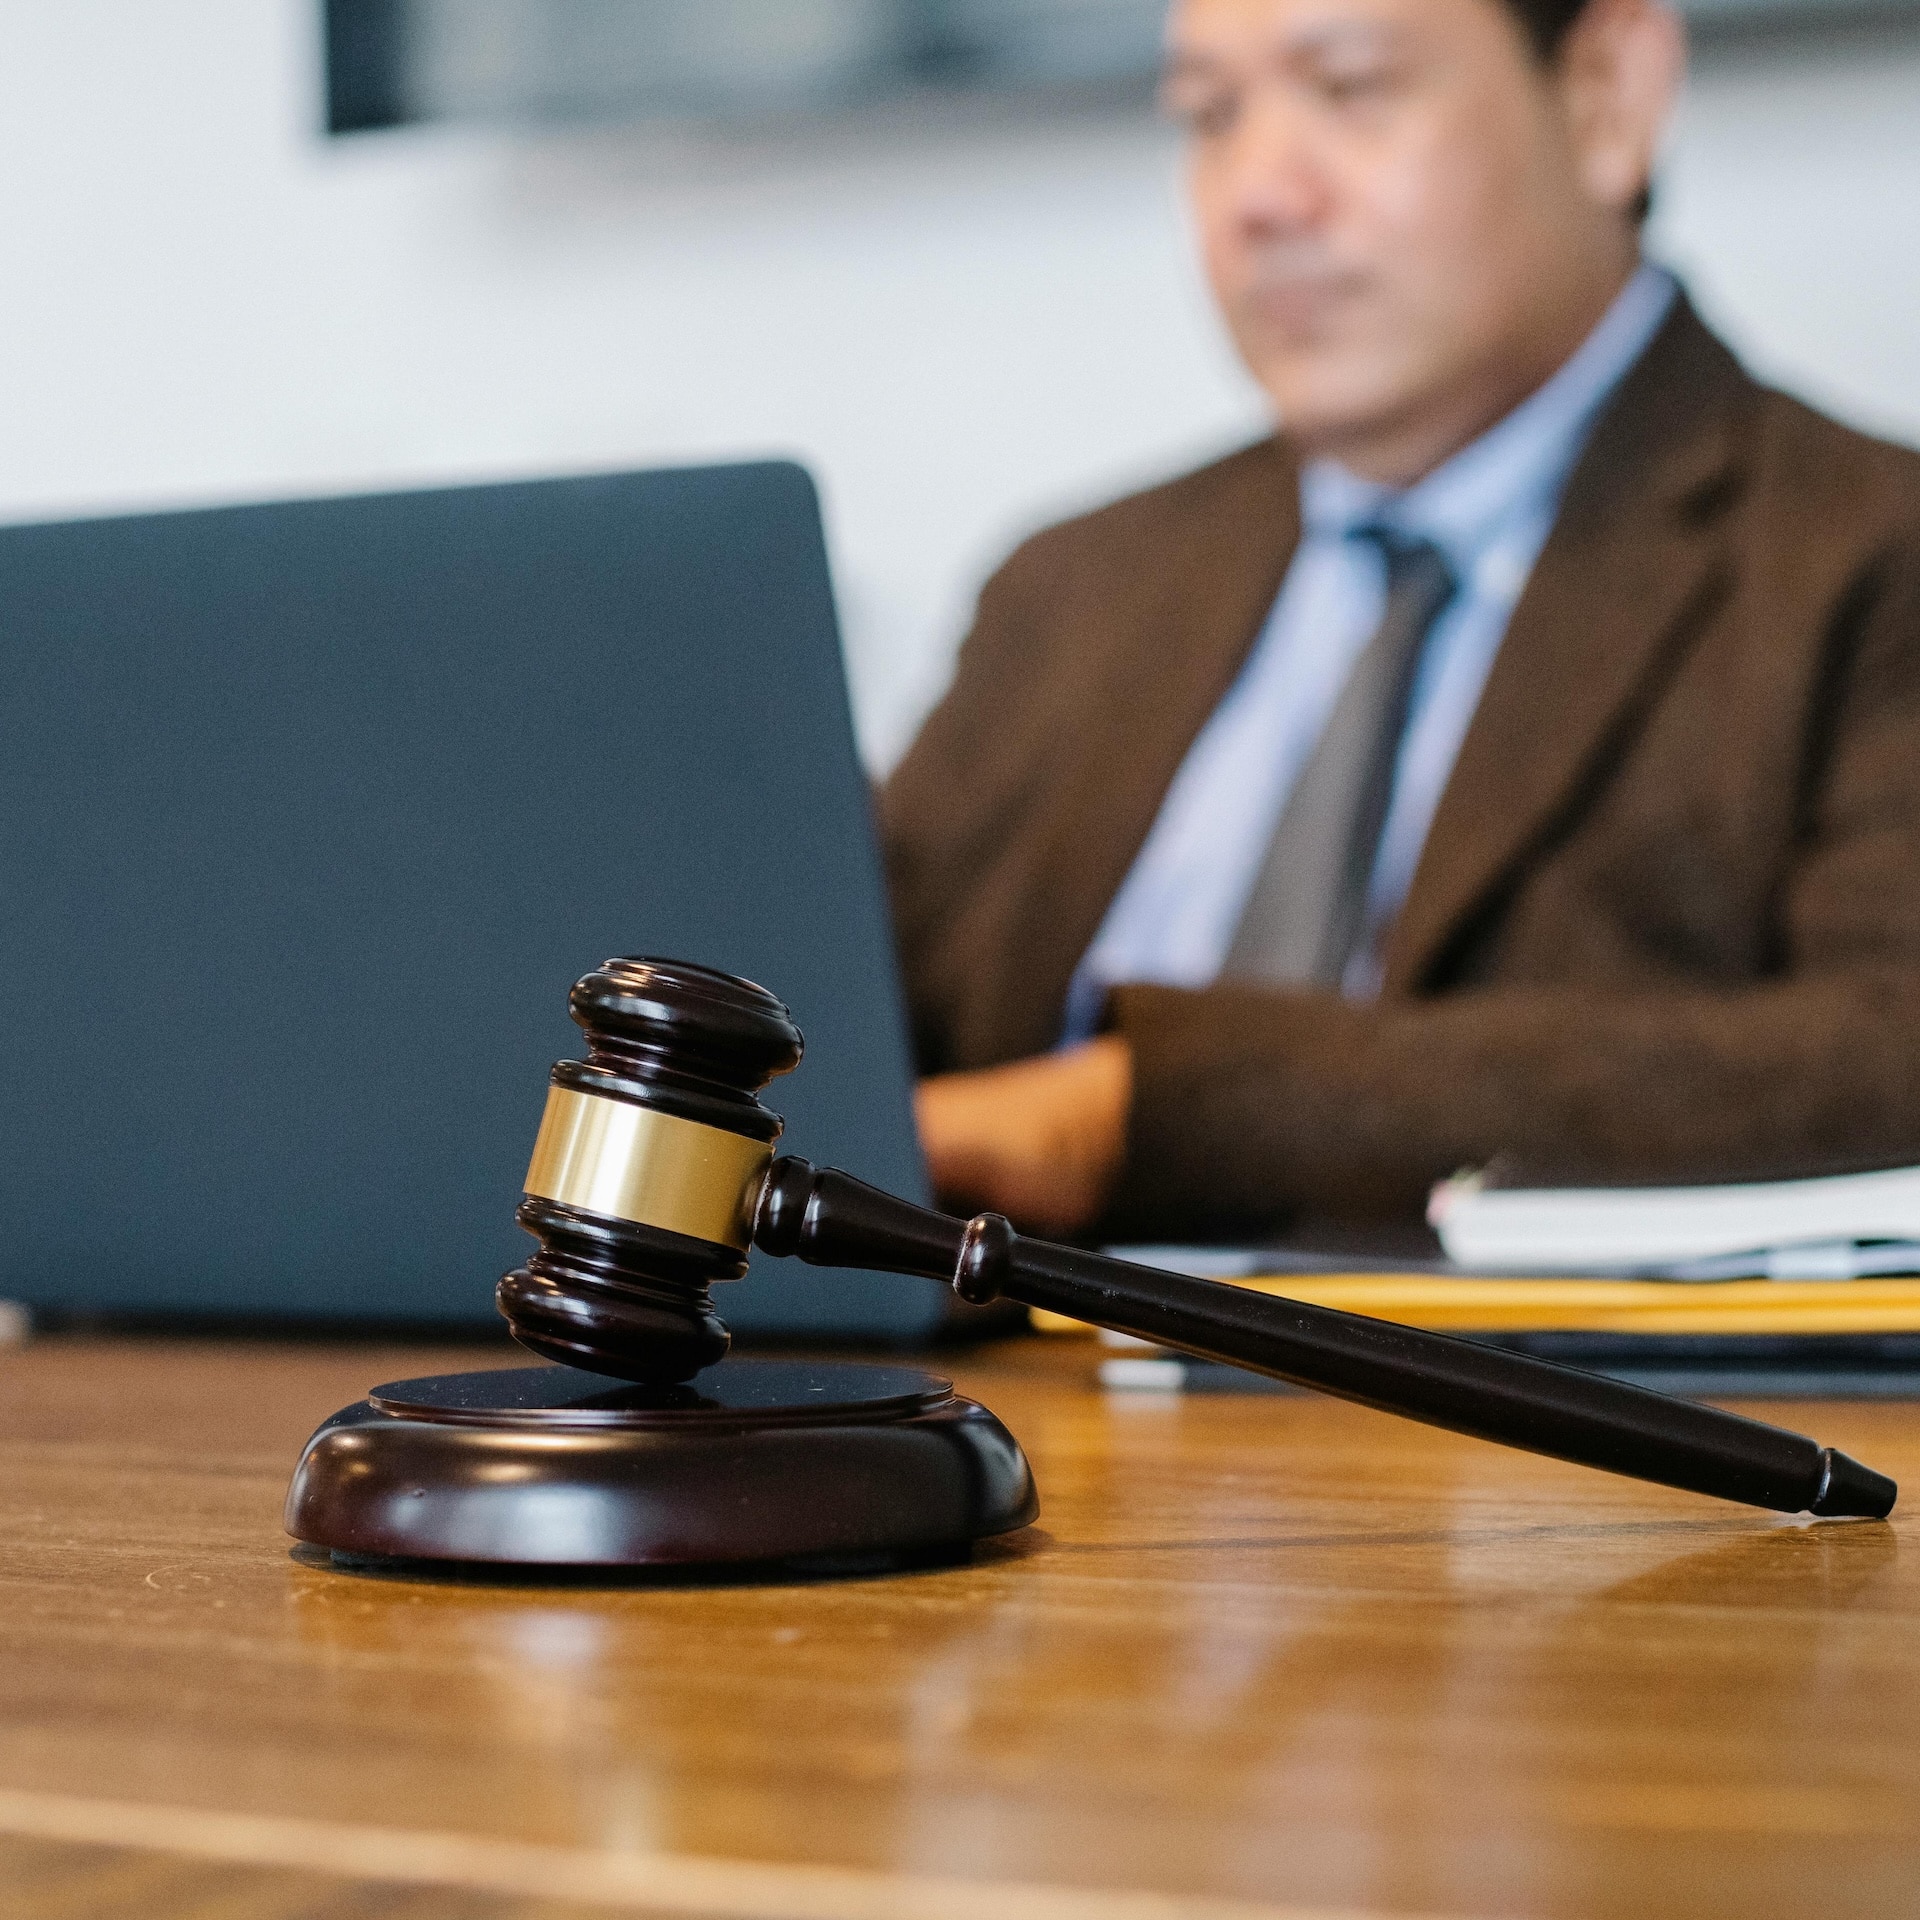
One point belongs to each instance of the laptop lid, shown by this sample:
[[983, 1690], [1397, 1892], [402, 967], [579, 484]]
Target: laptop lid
[[310, 814]]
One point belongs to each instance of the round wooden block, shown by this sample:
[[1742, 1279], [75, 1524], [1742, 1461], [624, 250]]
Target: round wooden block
[[749, 1461]]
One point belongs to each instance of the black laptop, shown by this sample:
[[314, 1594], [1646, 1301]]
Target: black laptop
[[310, 814]]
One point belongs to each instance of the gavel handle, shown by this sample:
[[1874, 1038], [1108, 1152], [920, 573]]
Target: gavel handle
[[831, 1219]]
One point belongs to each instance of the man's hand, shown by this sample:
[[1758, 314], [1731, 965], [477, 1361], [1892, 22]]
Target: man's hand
[[1040, 1140]]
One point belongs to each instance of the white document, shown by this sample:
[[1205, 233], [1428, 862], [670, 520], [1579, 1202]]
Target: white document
[[1843, 1227]]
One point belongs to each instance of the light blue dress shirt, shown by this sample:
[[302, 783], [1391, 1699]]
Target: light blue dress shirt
[[1489, 510]]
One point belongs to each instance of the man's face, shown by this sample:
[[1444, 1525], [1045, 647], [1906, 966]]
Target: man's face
[[1393, 210]]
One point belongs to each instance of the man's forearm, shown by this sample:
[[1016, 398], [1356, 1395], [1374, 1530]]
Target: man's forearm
[[1249, 1105]]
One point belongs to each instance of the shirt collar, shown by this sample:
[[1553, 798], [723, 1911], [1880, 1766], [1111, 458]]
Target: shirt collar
[[1518, 464]]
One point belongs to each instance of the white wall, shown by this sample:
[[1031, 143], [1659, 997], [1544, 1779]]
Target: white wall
[[1792, 202], [965, 324]]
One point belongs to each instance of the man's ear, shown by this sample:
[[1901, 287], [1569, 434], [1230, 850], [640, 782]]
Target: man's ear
[[1620, 71]]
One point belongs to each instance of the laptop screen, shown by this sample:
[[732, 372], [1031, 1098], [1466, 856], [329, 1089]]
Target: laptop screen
[[311, 813]]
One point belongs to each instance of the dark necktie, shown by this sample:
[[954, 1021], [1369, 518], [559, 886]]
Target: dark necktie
[[1307, 912]]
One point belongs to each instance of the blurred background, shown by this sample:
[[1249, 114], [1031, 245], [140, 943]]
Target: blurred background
[[933, 248]]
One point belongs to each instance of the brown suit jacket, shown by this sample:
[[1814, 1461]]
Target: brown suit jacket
[[1667, 922]]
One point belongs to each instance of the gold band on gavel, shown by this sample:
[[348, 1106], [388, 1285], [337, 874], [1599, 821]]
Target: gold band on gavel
[[630, 1163]]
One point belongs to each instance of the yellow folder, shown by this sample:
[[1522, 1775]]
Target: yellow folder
[[1469, 1305]]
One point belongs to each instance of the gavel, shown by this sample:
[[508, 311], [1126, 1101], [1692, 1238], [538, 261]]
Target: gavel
[[654, 1174], [653, 1177]]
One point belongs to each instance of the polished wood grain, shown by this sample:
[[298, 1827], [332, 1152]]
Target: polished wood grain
[[1260, 1654], [43, 1878]]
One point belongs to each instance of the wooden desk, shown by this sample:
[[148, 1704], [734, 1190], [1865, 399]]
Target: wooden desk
[[1272, 1655]]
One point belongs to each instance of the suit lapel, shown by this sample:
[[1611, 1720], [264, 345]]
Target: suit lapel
[[1633, 563], [1164, 662]]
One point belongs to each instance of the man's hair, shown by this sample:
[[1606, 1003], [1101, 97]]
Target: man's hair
[[1545, 22]]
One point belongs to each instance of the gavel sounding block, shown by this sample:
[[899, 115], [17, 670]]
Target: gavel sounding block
[[750, 1461]]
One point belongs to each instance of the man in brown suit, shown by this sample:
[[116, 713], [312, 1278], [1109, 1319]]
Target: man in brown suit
[[1663, 922]]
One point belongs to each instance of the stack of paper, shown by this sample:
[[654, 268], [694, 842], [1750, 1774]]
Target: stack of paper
[[1787, 1286], [1838, 1228]]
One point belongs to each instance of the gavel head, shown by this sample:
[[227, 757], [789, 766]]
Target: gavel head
[[648, 1168]]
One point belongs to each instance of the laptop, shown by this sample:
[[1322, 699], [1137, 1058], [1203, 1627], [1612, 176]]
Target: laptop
[[310, 814]]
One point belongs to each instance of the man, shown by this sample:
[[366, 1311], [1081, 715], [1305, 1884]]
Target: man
[[1517, 756]]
